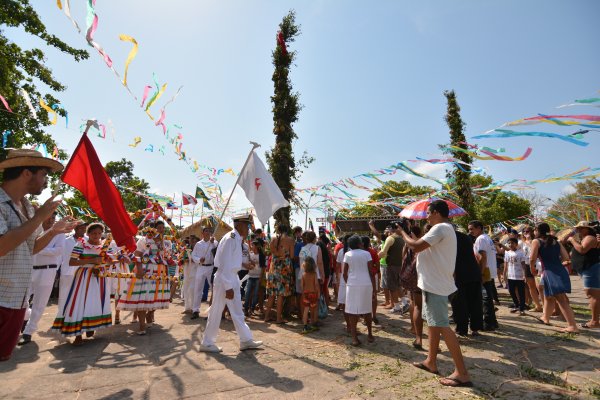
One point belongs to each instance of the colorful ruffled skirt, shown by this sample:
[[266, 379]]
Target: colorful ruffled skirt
[[151, 292], [87, 307]]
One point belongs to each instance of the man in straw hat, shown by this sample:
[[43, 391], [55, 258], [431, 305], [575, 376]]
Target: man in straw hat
[[24, 172], [226, 289]]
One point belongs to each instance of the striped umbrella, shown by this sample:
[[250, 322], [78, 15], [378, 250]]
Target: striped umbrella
[[418, 209]]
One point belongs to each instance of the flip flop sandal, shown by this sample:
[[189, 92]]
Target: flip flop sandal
[[425, 368], [453, 382], [140, 333], [587, 326]]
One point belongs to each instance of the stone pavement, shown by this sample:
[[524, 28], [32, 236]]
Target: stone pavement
[[524, 359]]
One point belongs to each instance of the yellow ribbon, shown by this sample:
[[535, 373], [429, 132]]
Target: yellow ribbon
[[51, 111], [58, 3], [156, 96], [131, 55]]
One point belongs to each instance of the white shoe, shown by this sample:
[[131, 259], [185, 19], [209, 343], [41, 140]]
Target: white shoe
[[211, 348], [251, 344]]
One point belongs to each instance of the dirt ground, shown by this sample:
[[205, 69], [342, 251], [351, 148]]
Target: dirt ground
[[522, 360]]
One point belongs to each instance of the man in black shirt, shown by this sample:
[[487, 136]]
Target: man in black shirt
[[467, 301]]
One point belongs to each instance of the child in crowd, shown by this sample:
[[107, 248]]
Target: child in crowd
[[515, 262], [310, 293], [253, 279]]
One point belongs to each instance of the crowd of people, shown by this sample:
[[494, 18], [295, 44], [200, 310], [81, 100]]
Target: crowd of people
[[423, 270]]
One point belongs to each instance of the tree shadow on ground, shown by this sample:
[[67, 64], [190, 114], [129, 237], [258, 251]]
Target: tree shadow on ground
[[249, 368]]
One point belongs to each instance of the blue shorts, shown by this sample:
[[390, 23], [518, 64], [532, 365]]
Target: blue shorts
[[435, 310], [591, 277]]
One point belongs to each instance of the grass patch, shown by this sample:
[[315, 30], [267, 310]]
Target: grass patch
[[546, 377], [581, 310]]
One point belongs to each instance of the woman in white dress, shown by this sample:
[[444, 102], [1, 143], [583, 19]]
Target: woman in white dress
[[360, 287]]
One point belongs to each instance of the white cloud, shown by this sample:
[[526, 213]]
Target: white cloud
[[568, 189]]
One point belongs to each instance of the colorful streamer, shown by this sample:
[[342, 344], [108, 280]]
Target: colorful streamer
[[5, 135], [5, 103], [131, 56], [67, 10], [504, 133], [28, 102], [136, 141], [150, 148], [56, 107], [92, 24], [50, 111]]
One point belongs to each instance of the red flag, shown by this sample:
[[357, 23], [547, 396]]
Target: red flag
[[149, 204], [281, 42], [85, 173]]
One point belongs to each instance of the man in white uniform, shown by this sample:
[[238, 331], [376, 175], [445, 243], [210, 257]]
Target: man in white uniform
[[45, 264], [226, 289], [68, 271], [203, 257]]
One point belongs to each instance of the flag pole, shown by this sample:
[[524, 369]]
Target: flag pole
[[193, 210], [202, 211], [254, 146]]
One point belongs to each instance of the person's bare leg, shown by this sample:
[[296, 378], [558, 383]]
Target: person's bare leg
[[434, 343], [142, 320], [386, 294], [280, 308], [353, 321], [534, 294], [270, 301], [369, 322], [460, 370], [305, 316], [594, 298], [549, 303], [314, 315], [418, 318], [565, 308]]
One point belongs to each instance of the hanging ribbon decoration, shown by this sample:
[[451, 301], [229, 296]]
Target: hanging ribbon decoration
[[50, 111], [92, 24], [5, 103], [5, 135], [28, 102], [136, 140], [131, 56], [505, 133]]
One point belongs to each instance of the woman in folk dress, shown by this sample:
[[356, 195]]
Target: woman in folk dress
[[150, 289], [87, 307]]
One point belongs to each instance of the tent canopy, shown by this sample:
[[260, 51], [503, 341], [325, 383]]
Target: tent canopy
[[196, 228]]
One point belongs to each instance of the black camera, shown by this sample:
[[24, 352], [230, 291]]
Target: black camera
[[595, 225], [405, 224]]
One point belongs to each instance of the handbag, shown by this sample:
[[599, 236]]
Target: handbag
[[408, 273], [323, 311]]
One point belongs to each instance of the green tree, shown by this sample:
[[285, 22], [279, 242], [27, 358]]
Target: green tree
[[286, 106], [20, 70], [121, 173], [496, 206], [392, 192], [581, 205], [459, 177]]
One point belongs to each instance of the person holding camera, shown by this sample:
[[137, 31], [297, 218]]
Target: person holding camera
[[585, 260]]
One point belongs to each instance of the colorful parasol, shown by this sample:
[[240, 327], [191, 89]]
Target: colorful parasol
[[418, 209]]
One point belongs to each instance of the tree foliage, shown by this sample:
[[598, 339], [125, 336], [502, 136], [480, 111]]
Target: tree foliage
[[286, 106], [392, 192], [496, 206], [21, 69], [459, 178], [581, 205], [121, 173]]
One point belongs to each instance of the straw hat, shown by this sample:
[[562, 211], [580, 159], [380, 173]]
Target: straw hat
[[29, 158], [583, 224]]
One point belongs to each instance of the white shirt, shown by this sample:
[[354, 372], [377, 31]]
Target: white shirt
[[358, 267], [310, 250], [65, 268], [228, 260], [513, 260], [435, 265], [254, 272], [202, 249], [52, 254], [485, 243]]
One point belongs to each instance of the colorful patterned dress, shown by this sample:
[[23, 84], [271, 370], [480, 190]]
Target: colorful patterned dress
[[152, 291], [280, 277], [87, 307]]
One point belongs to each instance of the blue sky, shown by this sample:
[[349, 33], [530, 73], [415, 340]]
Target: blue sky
[[371, 77]]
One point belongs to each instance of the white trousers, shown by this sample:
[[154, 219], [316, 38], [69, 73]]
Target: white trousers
[[189, 279], [216, 311], [63, 290], [41, 288], [203, 274]]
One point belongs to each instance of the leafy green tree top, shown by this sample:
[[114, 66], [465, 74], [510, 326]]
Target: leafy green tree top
[[580, 205], [286, 106], [20, 70]]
